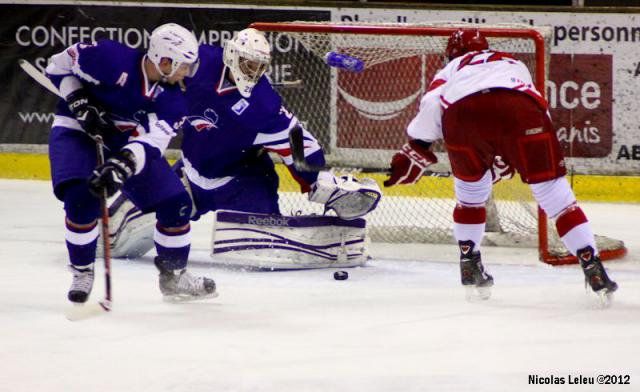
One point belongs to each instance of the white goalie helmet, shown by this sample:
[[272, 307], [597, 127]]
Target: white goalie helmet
[[247, 55], [176, 43]]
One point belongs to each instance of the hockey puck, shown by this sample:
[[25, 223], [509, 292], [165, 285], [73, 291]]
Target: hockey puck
[[340, 275]]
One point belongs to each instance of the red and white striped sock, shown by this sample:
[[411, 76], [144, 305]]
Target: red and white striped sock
[[469, 224], [574, 229]]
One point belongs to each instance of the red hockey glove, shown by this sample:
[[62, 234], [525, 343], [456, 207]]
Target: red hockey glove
[[408, 164], [501, 170]]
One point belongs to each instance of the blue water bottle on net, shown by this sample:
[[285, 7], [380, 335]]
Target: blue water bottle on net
[[344, 61]]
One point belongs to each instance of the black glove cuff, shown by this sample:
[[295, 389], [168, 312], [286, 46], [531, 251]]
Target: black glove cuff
[[419, 145], [77, 100]]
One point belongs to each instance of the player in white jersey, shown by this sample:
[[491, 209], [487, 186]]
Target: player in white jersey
[[493, 121]]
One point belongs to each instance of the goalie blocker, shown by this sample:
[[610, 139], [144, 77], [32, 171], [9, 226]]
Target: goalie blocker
[[288, 242]]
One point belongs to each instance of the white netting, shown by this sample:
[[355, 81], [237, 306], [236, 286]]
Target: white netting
[[360, 119]]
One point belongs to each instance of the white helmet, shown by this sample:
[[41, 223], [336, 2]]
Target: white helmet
[[176, 43], [247, 55]]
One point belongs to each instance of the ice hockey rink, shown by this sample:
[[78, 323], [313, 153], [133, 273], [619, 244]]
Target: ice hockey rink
[[398, 324]]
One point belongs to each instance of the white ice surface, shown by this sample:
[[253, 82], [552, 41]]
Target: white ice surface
[[395, 325]]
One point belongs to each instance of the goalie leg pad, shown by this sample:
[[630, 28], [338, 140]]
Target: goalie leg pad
[[349, 197], [130, 231], [275, 242]]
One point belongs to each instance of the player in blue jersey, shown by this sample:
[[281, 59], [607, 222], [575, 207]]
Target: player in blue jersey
[[235, 118], [133, 100]]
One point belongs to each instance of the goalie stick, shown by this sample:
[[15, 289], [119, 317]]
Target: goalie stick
[[296, 140], [80, 312]]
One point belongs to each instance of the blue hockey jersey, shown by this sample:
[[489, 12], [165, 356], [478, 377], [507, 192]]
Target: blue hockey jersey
[[225, 130], [115, 78]]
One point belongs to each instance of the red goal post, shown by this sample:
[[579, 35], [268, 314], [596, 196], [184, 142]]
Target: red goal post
[[387, 49]]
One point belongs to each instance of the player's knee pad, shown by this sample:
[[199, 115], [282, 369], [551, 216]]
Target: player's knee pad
[[473, 194], [175, 211], [80, 205], [553, 196]]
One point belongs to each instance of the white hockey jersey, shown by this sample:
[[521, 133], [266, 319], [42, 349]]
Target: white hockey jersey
[[463, 76]]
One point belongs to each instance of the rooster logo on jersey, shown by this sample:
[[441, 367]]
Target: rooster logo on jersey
[[130, 124], [207, 121]]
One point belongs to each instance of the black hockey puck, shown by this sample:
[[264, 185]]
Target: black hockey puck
[[340, 275]]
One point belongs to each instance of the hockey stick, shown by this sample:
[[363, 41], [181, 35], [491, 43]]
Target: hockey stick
[[38, 76], [83, 311], [106, 246], [296, 140], [44, 81]]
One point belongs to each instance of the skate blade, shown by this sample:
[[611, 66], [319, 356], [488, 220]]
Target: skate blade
[[605, 299], [477, 294], [79, 312], [180, 298]]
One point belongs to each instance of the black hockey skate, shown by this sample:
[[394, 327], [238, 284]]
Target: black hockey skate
[[81, 285], [178, 285], [474, 278], [596, 276]]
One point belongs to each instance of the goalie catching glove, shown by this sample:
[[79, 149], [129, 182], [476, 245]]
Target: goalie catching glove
[[349, 197], [112, 174], [410, 163]]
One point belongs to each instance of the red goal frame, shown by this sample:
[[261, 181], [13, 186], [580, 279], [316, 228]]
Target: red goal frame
[[445, 31]]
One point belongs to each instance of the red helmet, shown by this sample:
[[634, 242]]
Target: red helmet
[[464, 41]]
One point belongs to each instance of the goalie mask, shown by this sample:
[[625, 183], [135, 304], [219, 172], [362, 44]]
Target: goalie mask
[[176, 43], [247, 55]]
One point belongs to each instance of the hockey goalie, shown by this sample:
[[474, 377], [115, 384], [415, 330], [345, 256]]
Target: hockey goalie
[[236, 120]]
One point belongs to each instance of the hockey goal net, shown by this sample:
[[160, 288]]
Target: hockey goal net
[[359, 112]]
